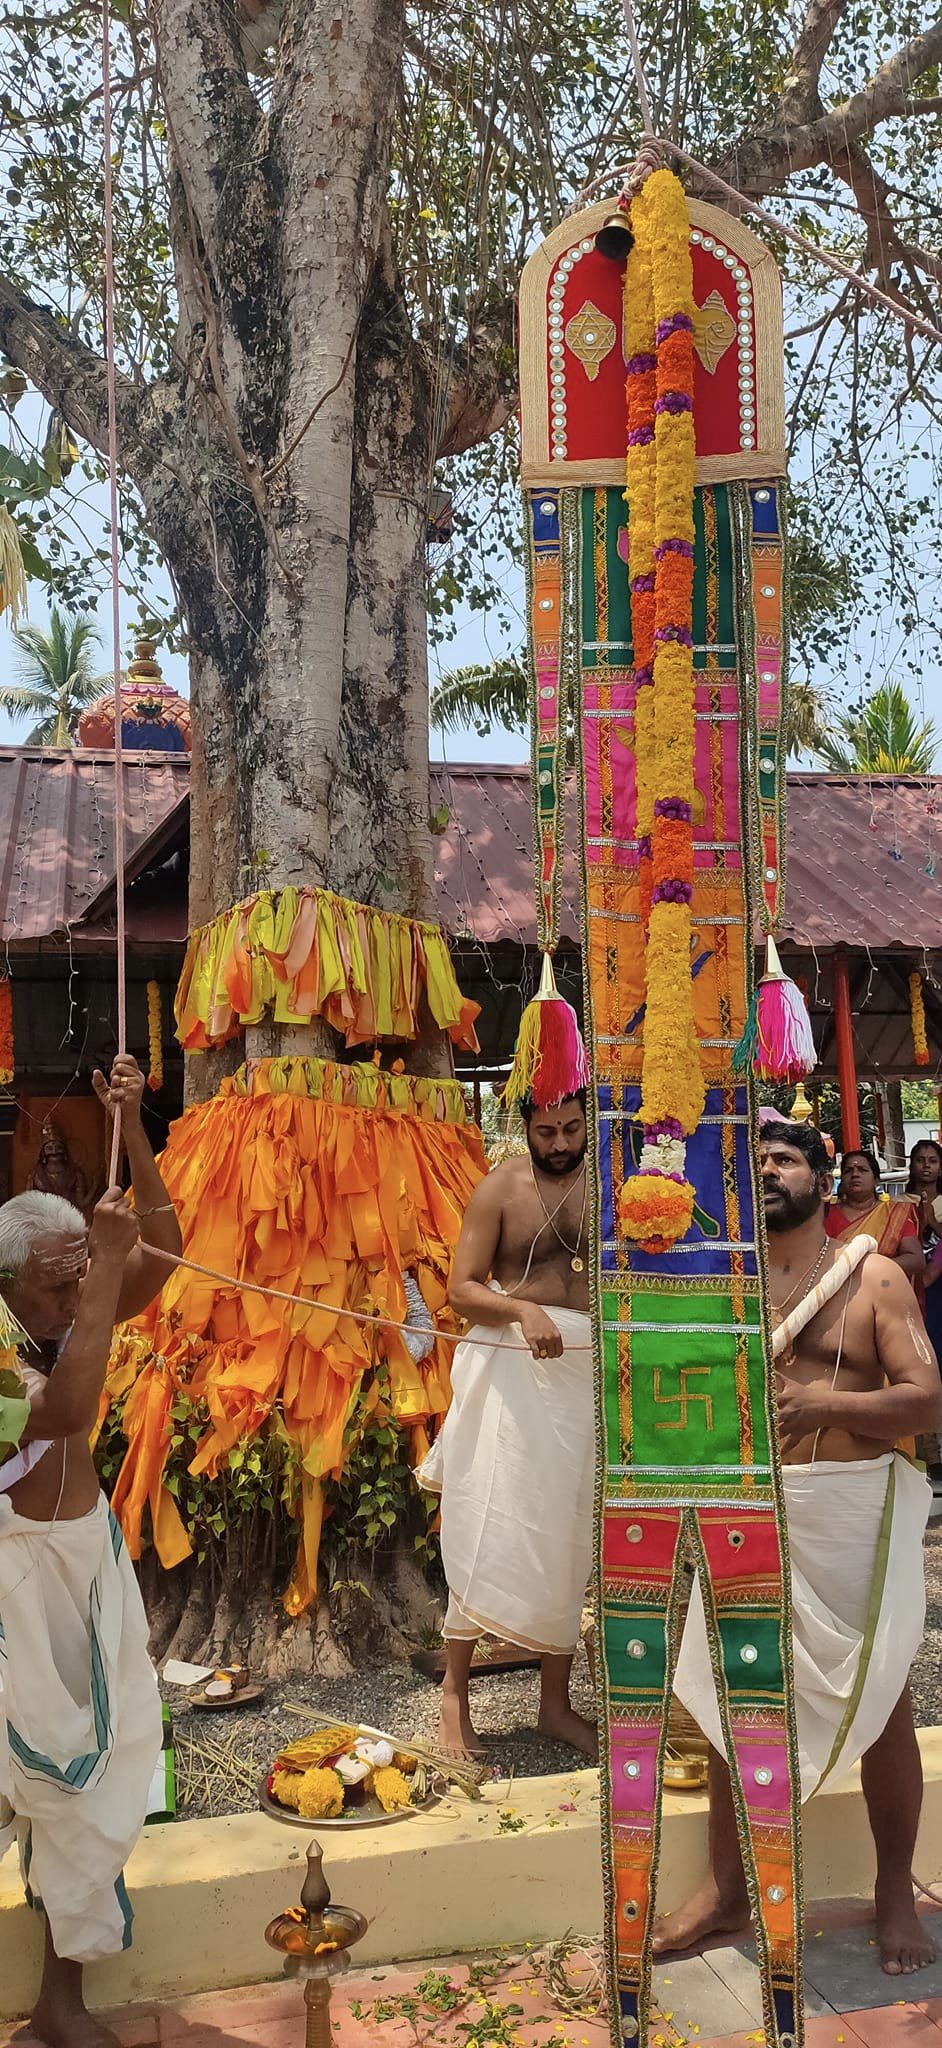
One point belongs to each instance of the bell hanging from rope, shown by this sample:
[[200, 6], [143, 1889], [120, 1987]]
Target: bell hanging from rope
[[614, 238]]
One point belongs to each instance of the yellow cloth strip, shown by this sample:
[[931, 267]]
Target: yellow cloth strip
[[302, 953]]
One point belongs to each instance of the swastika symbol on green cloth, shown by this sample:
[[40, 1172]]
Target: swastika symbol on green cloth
[[685, 1394]]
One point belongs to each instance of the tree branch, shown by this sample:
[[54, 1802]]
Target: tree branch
[[763, 162], [482, 392], [70, 376], [800, 98]]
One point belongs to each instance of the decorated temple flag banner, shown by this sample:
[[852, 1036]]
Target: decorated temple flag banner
[[652, 464]]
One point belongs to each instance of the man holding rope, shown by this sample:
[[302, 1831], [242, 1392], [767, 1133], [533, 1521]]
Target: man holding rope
[[515, 1461], [80, 1727], [855, 1375]]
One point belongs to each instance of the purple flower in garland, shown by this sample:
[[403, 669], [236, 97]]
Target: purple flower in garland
[[665, 1127], [640, 365], [673, 807], [681, 634], [640, 583], [677, 323], [641, 437], [672, 891], [673, 402], [674, 547]]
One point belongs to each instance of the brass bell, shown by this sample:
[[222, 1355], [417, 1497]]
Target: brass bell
[[614, 238]]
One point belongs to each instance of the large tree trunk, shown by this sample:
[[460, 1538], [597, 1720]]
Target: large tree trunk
[[301, 571]]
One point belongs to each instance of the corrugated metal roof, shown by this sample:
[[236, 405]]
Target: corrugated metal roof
[[57, 829], [861, 851]]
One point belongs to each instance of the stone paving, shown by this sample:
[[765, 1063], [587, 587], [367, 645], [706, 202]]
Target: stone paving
[[503, 2002]]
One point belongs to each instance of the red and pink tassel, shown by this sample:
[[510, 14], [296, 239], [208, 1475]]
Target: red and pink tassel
[[550, 1061], [777, 1042]]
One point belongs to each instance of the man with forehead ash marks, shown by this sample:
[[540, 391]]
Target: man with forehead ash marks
[[80, 1727]]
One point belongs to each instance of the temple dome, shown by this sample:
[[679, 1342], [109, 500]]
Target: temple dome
[[154, 717]]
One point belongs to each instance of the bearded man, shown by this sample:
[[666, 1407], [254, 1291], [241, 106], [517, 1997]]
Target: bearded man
[[515, 1461], [855, 1376], [80, 1726]]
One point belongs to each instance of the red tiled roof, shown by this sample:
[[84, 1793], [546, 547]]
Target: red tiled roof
[[861, 851]]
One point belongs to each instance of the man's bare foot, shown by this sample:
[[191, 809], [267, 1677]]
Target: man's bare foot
[[905, 1946], [457, 1735], [70, 2026], [563, 1724], [706, 1914]]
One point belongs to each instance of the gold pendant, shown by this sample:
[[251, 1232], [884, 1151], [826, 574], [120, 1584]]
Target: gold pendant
[[576, 1265]]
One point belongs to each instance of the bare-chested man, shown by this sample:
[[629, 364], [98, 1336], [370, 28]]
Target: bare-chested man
[[858, 1379], [515, 1462], [80, 1727]]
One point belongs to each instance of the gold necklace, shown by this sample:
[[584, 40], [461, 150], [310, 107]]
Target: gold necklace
[[576, 1262], [805, 1280]]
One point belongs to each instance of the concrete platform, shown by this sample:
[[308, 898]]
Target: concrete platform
[[522, 1866]]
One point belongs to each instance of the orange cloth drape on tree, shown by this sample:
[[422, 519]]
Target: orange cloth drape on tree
[[331, 1199]]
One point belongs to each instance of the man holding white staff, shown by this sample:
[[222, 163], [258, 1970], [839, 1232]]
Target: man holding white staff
[[855, 1376], [80, 1726]]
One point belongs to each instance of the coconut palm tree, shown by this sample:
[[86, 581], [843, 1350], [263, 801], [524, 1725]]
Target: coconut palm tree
[[880, 737], [59, 678], [494, 693]]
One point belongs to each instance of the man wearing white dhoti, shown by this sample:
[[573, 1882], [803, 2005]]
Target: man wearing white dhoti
[[80, 1723], [515, 1461], [856, 1375]]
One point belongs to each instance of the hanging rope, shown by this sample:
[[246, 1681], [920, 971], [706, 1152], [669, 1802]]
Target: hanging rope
[[111, 376]]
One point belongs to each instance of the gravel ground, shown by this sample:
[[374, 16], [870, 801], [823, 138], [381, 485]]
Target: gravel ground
[[392, 1697], [222, 1756]]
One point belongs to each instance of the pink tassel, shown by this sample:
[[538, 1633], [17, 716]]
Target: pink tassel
[[784, 1044], [550, 1062]]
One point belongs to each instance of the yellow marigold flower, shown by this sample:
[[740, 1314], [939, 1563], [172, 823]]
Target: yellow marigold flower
[[403, 1763], [320, 1796], [391, 1789], [286, 1787]]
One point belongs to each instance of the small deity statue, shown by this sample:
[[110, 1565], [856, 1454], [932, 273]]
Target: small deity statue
[[57, 1173]]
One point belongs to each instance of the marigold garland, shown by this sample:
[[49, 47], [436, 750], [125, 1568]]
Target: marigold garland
[[656, 1204], [7, 1057], [917, 1012], [302, 953], [155, 1038]]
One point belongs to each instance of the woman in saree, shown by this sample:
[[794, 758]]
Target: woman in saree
[[859, 1207]]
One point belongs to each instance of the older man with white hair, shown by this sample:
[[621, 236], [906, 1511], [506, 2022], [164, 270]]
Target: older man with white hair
[[79, 1709]]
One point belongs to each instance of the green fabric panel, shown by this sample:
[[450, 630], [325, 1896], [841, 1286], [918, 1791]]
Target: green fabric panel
[[683, 1395], [613, 1439], [589, 656], [661, 1307], [619, 600], [546, 766], [726, 613], [619, 596], [759, 1631], [629, 1672]]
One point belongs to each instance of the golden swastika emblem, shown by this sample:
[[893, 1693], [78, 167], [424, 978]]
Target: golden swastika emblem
[[686, 1395]]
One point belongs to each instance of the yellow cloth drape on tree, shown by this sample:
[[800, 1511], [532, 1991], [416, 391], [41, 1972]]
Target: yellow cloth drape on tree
[[302, 953], [331, 1199]]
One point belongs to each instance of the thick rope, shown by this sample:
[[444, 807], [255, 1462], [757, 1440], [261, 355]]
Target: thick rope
[[111, 377]]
